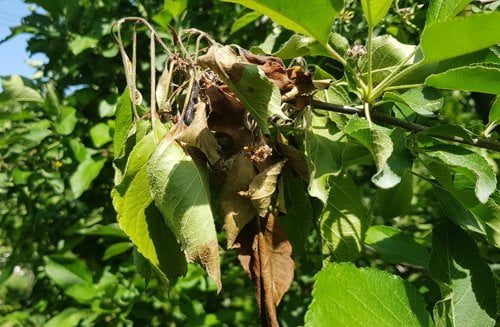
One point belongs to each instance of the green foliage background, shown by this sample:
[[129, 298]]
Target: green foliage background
[[64, 260]]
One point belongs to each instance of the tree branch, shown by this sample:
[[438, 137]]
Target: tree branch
[[380, 118]]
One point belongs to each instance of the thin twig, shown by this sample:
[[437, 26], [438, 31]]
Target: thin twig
[[380, 118]]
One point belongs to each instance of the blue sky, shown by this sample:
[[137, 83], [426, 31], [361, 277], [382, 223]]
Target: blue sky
[[13, 55]]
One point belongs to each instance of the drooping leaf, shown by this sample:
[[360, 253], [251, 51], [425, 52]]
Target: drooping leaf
[[344, 295], [396, 200], [314, 18], [198, 135], [445, 39], [237, 210], [100, 134], [263, 186], [244, 21], [389, 151], [443, 9], [84, 174], [260, 96], [468, 163], [344, 219], [476, 78], [375, 10], [122, 123], [465, 280], [141, 220], [423, 101], [395, 246], [180, 190], [388, 53], [298, 220], [266, 256], [323, 153], [66, 121]]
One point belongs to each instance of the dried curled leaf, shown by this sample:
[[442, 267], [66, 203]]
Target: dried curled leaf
[[199, 136], [266, 255], [263, 186], [236, 209]]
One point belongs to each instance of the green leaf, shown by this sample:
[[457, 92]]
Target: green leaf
[[323, 153], [443, 9], [447, 130], [123, 122], [85, 173], [244, 21], [344, 295], [297, 46], [69, 317], [387, 54], [314, 18], [465, 280], [445, 39], [482, 78], [141, 220], [175, 7], [116, 249], [72, 275], [424, 101], [494, 115], [468, 163], [52, 105], [298, 220], [16, 89], [396, 246], [100, 134], [395, 201], [81, 43], [180, 190], [344, 219], [391, 156], [66, 122], [375, 10]]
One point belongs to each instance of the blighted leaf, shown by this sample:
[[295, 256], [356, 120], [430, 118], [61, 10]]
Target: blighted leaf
[[469, 163], [477, 78], [344, 295], [465, 280], [424, 101], [388, 53], [344, 219], [314, 18], [180, 190], [445, 39], [266, 255], [296, 159], [323, 153], [236, 209], [375, 10], [263, 186], [389, 151], [395, 246], [260, 96], [396, 200], [141, 220], [198, 135]]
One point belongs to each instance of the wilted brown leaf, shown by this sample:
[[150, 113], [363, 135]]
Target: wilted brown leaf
[[199, 136], [263, 186], [236, 209], [296, 159], [266, 255]]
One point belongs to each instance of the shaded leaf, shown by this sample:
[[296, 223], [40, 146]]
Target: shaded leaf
[[237, 210], [396, 200], [180, 190], [344, 295], [116, 249], [477, 78], [396, 246], [244, 21], [266, 256], [465, 280], [445, 39], [423, 101], [344, 219], [494, 115]]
